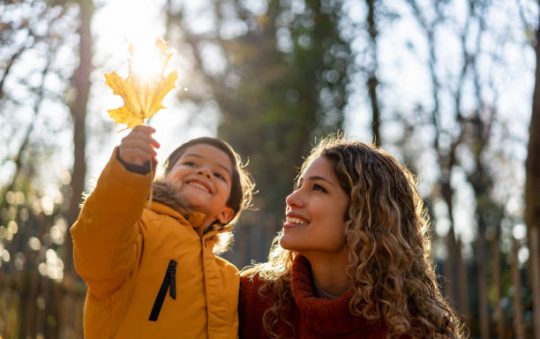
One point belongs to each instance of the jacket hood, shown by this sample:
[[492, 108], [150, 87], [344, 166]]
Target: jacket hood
[[165, 194]]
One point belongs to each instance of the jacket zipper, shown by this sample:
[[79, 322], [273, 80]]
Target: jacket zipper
[[169, 283]]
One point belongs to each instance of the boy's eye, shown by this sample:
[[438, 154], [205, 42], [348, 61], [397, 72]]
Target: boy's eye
[[190, 164], [219, 176]]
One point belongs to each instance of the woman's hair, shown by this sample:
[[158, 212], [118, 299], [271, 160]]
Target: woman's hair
[[386, 227], [242, 185]]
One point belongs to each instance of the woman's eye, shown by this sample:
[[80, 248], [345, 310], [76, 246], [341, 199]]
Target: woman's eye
[[219, 176], [190, 164], [319, 188]]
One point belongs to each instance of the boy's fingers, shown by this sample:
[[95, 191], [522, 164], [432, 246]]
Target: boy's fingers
[[139, 144], [130, 156], [136, 157], [142, 135], [144, 129], [155, 143]]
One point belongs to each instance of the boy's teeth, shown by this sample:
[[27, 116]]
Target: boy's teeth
[[199, 185]]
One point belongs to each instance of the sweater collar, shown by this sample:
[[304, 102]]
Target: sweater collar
[[166, 201], [326, 316]]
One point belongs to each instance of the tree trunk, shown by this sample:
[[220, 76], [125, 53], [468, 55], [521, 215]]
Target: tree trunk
[[483, 302], [499, 312], [81, 80], [519, 327], [535, 280], [463, 283], [373, 81], [450, 264], [28, 294], [532, 179]]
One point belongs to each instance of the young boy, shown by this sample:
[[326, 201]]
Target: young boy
[[151, 272]]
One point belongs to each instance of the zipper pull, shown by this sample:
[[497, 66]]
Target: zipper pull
[[169, 283], [172, 279]]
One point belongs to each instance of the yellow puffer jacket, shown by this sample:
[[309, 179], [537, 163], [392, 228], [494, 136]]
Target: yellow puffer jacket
[[150, 272]]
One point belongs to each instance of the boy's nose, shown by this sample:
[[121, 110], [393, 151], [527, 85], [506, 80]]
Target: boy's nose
[[204, 171]]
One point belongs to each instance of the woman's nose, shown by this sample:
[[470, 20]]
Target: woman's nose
[[294, 199]]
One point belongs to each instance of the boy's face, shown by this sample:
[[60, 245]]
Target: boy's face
[[202, 176]]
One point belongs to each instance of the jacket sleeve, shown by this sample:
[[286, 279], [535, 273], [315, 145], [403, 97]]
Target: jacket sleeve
[[106, 241]]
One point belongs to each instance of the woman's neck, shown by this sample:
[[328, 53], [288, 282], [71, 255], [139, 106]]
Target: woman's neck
[[330, 275]]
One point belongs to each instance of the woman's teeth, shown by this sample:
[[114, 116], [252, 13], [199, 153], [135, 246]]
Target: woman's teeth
[[296, 221]]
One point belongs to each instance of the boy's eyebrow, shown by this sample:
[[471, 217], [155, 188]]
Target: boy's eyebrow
[[201, 156]]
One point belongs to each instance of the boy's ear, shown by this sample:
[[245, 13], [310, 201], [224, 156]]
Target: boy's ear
[[226, 215]]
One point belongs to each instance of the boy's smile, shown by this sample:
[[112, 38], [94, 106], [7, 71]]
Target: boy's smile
[[201, 185]]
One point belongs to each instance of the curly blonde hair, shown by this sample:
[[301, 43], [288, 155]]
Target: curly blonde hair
[[386, 227]]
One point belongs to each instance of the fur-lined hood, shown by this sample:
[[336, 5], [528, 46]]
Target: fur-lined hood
[[164, 193]]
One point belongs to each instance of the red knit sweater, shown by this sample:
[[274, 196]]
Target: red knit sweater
[[311, 317]]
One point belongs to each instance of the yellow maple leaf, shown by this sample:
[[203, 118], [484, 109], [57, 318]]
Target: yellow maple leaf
[[142, 97]]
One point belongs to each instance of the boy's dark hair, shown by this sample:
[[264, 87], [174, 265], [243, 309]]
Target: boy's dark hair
[[241, 183]]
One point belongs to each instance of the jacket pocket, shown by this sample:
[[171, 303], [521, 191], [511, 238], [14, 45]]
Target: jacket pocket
[[169, 283]]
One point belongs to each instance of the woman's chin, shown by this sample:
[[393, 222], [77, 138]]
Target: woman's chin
[[288, 243]]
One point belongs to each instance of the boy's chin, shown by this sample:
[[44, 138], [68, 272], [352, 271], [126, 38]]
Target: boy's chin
[[196, 205]]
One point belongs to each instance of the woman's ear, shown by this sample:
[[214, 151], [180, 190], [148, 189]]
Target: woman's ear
[[226, 215]]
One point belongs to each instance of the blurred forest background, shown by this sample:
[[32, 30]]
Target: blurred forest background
[[451, 87]]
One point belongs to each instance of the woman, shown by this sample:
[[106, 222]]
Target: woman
[[353, 258]]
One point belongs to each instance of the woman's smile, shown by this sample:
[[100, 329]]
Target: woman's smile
[[293, 220]]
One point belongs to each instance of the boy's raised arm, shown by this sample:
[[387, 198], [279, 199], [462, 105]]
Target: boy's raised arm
[[106, 240]]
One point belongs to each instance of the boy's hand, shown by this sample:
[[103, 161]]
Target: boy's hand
[[138, 146]]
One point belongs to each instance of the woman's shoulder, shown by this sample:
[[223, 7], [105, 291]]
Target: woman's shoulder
[[253, 286], [250, 280], [255, 299]]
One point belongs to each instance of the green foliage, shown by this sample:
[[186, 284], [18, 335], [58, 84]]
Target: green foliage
[[285, 82]]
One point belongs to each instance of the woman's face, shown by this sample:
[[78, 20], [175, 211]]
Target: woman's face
[[315, 212]]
